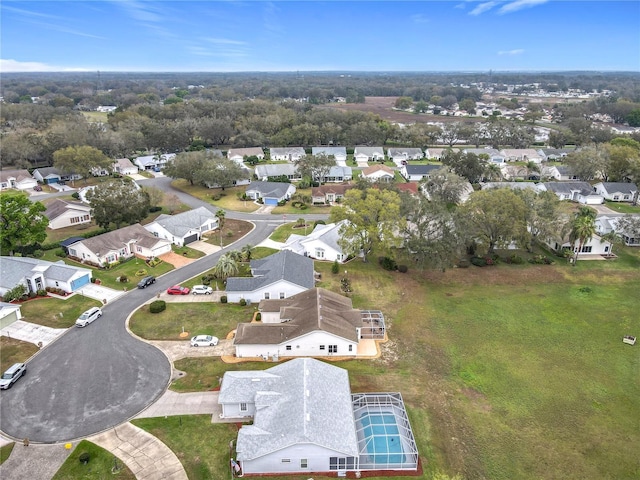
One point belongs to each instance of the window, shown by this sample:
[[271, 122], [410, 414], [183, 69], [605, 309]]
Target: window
[[351, 348], [333, 348], [286, 460], [321, 347], [266, 295], [304, 463], [288, 347], [342, 463], [281, 295], [586, 249], [243, 407]]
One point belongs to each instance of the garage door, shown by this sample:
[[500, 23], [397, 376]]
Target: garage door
[[79, 282], [271, 201], [190, 239]]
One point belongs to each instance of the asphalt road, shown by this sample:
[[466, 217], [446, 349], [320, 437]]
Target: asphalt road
[[97, 377]]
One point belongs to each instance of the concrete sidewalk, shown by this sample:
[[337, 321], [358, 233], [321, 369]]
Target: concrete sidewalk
[[146, 456], [32, 332], [173, 403]]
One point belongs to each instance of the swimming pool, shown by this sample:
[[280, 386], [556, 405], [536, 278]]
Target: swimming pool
[[383, 438]]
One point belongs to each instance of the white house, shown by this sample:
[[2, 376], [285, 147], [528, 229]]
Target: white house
[[154, 162], [239, 154], [38, 274], [307, 421], [290, 154], [378, 173], [338, 153], [522, 155], [18, 179], [183, 228], [125, 242], [49, 175], [329, 193], [9, 313], [494, 155], [404, 154], [320, 244], [338, 174], [554, 154], [270, 192], [63, 214], [368, 154], [629, 231], [123, 166], [415, 173], [592, 248], [280, 275], [264, 172], [617, 191], [580, 192]]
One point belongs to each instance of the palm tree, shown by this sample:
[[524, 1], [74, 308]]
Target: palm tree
[[226, 267], [220, 215], [246, 252], [235, 255], [583, 228]]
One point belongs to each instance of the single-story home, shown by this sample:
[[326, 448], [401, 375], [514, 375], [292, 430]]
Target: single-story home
[[368, 154], [154, 162], [49, 175], [329, 193], [338, 174], [338, 153], [415, 173], [62, 213], [404, 154], [9, 313], [306, 421], [591, 249], [124, 166], [617, 191], [183, 228], [629, 232], [554, 154], [320, 244], [522, 155], [566, 174], [494, 155], [510, 185], [38, 274], [126, 242], [290, 154], [270, 192], [289, 170], [280, 275], [378, 173], [435, 153], [239, 154], [581, 192], [18, 179]]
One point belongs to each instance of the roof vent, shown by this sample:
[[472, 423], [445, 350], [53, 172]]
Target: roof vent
[[255, 379]]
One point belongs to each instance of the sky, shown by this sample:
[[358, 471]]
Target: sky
[[288, 36]]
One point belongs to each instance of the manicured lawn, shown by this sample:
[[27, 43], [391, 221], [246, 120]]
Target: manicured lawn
[[133, 269], [199, 318], [205, 372], [228, 197], [75, 231], [506, 371], [5, 451], [283, 232], [187, 252], [100, 465], [14, 351], [56, 313], [621, 207]]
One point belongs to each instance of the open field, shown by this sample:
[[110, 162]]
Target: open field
[[507, 371]]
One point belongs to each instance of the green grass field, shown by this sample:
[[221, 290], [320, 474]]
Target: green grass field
[[101, 465]]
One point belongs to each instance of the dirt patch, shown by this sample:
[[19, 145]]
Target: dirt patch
[[479, 400], [176, 260]]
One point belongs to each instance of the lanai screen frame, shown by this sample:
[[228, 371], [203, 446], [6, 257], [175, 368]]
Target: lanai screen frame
[[387, 403]]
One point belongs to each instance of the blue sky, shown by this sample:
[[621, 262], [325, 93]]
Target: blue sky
[[229, 36]]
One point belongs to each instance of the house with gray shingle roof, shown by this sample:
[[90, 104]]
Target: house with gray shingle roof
[[239, 154], [290, 154], [63, 214], [338, 174], [415, 173], [270, 192], [125, 242], [49, 175], [320, 244], [18, 179], [124, 166], [581, 192], [289, 170], [38, 274], [338, 153], [183, 228], [280, 275], [306, 420], [154, 162], [617, 191], [403, 154], [366, 154]]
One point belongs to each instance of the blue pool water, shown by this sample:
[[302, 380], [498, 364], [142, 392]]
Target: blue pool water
[[384, 444]]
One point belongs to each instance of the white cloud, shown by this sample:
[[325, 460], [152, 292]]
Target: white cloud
[[483, 7], [515, 51], [10, 65], [419, 18], [224, 41], [519, 5], [141, 11]]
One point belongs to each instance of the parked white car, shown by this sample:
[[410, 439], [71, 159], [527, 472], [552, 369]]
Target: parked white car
[[89, 316], [204, 341], [201, 290], [12, 375]]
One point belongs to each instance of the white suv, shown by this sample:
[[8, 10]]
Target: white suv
[[10, 377], [89, 316], [201, 290]]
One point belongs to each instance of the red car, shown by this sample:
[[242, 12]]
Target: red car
[[178, 290]]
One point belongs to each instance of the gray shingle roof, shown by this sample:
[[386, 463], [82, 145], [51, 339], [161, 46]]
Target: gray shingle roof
[[310, 311], [621, 187], [276, 170], [284, 265], [329, 151], [13, 270], [180, 224], [308, 401], [293, 151], [369, 151], [421, 169], [568, 187], [117, 239], [393, 152], [58, 207], [269, 189]]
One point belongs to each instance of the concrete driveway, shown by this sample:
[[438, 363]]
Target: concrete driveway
[[604, 210], [175, 350], [32, 332], [98, 292], [204, 247]]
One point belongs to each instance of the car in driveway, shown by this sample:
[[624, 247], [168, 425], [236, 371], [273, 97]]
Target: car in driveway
[[89, 316], [204, 341], [202, 290], [11, 376], [146, 281], [178, 290]]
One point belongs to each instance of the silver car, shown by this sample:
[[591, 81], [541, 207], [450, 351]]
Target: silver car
[[89, 316], [204, 341], [201, 290], [11, 376]]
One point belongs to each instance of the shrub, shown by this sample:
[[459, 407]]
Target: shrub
[[243, 302], [157, 306], [215, 197], [140, 273], [123, 279], [38, 254], [50, 246], [75, 195], [304, 206], [319, 222], [479, 261], [387, 263], [515, 259], [60, 253], [15, 293], [154, 209], [403, 268], [541, 260], [258, 317], [42, 293], [335, 268], [223, 299]]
